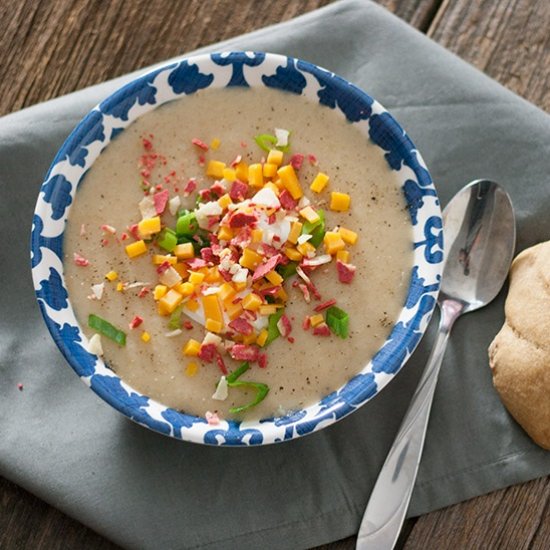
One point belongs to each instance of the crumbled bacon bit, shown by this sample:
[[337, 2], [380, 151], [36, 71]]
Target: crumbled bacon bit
[[208, 352], [236, 161], [305, 291], [312, 159], [190, 186], [202, 160], [263, 269], [143, 292], [204, 194], [324, 305], [104, 242], [124, 236], [20, 386], [147, 144], [217, 190], [296, 161], [208, 255], [199, 143], [80, 260], [238, 190], [321, 330], [240, 219], [188, 325], [291, 339], [221, 363], [244, 144], [284, 326], [262, 360], [243, 352], [163, 267], [286, 200], [133, 230], [346, 272], [306, 323], [135, 322], [108, 229], [195, 263], [242, 326], [160, 200]]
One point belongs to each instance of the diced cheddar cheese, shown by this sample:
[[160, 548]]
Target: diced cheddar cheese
[[226, 292], [191, 305], [273, 187], [215, 169], [275, 157], [120, 287], [136, 249], [213, 326], [212, 310], [182, 270], [159, 291], [319, 183], [224, 201], [255, 175], [185, 289], [348, 235], [333, 242], [169, 302], [295, 232], [290, 181], [316, 319], [249, 339], [191, 369], [184, 251], [343, 256], [339, 201], [191, 348], [250, 259], [267, 309], [213, 275], [148, 227], [252, 301], [309, 214], [215, 144], [196, 278], [229, 174], [306, 249], [225, 233], [233, 310], [159, 259], [262, 338], [111, 276], [145, 336], [241, 171], [292, 254], [270, 170], [282, 295], [274, 278], [257, 235]]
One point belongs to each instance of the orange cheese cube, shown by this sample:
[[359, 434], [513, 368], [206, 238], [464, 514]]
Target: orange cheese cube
[[333, 242], [348, 235], [148, 227], [212, 308], [275, 157], [226, 292], [170, 301], [292, 254], [159, 291], [191, 369], [215, 144], [191, 305], [159, 259], [215, 169], [249, 339], [111, 276], [233, 310], [339, 201], [255, 175], [250, 259], [295, 232], [136, 249], [225, 233], [262, 338], [306, 249], [343, 256], [274, 278], [290, 181], [145, 336], [257, 235], [252, 301], [241, 171], [224, 201], [319, 183], [316, 319], [185, 289], [270, 170], [229, 174], [309, 214], [213, 326], [267, 309], [196, 278], [184, 251], [191, 348]]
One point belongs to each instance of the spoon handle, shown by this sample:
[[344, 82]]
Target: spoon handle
[[390, 497]]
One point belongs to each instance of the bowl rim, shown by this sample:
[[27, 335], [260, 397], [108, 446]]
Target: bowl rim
[[407, 329]]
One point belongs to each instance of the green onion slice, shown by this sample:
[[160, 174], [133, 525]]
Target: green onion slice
[[232, 376], [175, 319], [104, 327], [187, 224], [316, 230], [261, 391], [338, 321], [287, 270], [266, 142], [272, 330], [167, 239]]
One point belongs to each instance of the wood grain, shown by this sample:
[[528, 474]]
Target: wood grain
[[65, 45]]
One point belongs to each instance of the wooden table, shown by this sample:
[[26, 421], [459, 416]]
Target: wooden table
[[507, 39]]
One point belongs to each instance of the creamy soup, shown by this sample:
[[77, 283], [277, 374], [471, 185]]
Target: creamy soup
[[158, 151]]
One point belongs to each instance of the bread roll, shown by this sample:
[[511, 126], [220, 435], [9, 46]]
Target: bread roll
[[519, 355]]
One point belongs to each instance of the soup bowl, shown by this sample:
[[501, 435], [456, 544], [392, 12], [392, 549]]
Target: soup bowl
[[220, 70]]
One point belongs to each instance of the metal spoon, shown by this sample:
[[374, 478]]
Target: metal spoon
[[480, 237]]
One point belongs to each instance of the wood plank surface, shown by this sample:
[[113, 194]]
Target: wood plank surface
[[507, 39]]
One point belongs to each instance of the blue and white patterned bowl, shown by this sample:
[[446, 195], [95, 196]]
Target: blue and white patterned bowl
[[184, 77]]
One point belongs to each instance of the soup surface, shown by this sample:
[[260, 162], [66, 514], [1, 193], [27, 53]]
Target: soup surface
[[157, 149]]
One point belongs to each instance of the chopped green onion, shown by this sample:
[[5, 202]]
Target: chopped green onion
[[338, 321], [175, 319], [167, 239], [104, 327], [266, 141], [261, 391], [272, 330], [287, 270], [187, 224], [232, 376], [316, 229]]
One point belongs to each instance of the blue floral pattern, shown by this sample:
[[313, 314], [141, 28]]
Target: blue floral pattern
[[187, 76]]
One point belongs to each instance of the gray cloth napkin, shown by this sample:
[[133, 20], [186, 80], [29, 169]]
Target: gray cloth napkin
[[143, 490]]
